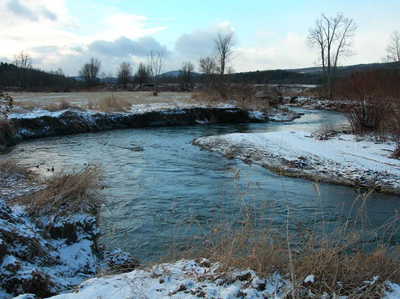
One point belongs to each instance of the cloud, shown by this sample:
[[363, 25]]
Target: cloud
[[32, 14], [291, 53], [196, 44], [200, 42], [124, 47], [48, 14], [19, 9]]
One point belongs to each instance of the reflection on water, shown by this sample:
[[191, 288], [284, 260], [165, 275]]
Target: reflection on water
[[155, 179]]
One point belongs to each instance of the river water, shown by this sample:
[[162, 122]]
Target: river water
[[156, 180]]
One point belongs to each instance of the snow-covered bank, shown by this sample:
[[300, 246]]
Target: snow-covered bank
[[38, 258], [39, 123], [199, 279], [51, 251], [343, 159], [183, 279], [310, 102]]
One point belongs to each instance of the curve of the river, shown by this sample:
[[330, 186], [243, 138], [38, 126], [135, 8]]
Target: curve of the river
[[156, 180]]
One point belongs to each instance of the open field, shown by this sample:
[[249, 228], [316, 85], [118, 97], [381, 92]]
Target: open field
[[42, 100]]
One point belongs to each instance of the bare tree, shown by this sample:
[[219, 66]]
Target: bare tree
[[186, 74], [90, 71], [23, 62], [223, 43], [334, 38], [208, 66], [142, 74], [124, 73], [155, 62], [393, 49]]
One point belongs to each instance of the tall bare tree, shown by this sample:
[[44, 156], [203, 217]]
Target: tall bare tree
[[334, 38], [155, 63], [142, 74], [186, 75], [215, 68], [23, 62], [124, 73], [90, 71], [223, 43], [393, 49]]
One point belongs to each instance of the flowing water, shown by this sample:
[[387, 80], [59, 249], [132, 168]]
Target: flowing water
[[156, 179]]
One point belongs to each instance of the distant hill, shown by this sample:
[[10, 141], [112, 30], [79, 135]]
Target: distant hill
[[346, 69], [175, 74]]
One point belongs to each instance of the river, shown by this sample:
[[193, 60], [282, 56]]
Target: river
[[156, 180]]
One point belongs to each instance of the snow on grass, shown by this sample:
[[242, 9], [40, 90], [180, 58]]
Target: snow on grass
[[182, 279], [343, 158]]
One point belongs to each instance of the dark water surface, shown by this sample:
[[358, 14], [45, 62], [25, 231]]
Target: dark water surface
[[156, 179]]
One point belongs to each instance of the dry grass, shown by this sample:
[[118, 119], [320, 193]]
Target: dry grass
[[11, 167], [67, 193], [63, 104], [113, 104], [7, 132], [342, 256]]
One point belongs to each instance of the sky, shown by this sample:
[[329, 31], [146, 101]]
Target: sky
[[268, 34]]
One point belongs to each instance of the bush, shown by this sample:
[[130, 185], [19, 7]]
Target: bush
[[371, 94]]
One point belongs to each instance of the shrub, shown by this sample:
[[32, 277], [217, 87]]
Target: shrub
[[371, 94], [67, 193]]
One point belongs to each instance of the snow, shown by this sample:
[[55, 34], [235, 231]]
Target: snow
[[343, 157], [182, 279], [309, 278], [134, 109]]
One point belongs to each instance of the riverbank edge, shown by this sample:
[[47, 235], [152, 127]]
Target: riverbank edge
[[51, 251], [282, 166], [74, 121]]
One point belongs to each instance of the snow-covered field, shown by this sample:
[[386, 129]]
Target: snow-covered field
[[344, 159]]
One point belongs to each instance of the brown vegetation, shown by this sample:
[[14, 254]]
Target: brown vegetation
[[11, 167], [58, 106], [113, 104], [67, 193], [375, 108], [342, 255]]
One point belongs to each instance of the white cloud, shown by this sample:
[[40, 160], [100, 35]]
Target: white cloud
[[292, 53], [46, 30]]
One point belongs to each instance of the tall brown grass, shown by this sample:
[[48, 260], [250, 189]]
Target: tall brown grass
[[343, 255], [11, 167], [113, 104], [58, 106], [67, 193]]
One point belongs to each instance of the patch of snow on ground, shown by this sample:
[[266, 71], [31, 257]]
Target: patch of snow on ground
[[183, 279], [360, 161]]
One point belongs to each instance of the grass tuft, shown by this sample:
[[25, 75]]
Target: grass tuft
[[113, 104], [67, 193]]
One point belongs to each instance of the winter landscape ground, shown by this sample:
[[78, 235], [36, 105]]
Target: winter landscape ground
[[203, 149]]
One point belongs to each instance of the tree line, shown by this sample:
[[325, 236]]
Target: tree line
[[332, 36], [21, 74]]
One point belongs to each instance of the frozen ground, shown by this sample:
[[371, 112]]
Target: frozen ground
[[193, 279], [82, 99], [342, 159]]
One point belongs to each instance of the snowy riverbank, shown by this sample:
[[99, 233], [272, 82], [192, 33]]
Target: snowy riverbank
[[40, 123], [342, 159], [198, 279]]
